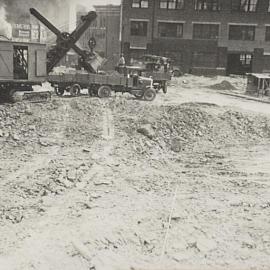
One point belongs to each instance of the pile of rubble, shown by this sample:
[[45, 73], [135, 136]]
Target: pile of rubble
[[224, 85], [40, 123], [180, 127]]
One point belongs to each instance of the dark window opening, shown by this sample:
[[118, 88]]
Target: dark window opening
[[242, 32], [140, 3], [204, 59], [138, 28], [20, 62], [244, 5], [171, 4], [170, 29], [210, 5], [205, 31], [267, 33]]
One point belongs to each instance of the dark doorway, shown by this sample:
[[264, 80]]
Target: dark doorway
[[239, 63], [20, 62]]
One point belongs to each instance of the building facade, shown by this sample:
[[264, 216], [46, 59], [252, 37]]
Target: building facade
[[105, 29], [201, 36]]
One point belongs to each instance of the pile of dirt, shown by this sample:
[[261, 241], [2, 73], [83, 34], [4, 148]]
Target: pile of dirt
[[38, 123], [181, 127], [224, 85]]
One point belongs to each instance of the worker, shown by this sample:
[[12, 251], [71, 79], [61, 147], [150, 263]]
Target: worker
[[122, 61], [122, 65]]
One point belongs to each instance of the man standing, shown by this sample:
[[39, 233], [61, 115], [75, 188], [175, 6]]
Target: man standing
[[122, 61]]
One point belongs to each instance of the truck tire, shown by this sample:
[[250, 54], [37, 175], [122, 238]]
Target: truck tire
[[149, 94], [75, 90], [59, 91], [104, 91]]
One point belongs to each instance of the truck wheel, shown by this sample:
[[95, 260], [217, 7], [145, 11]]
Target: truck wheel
[[177, 73], [150, 94], [11, 96], [104, 91], [59, 91], [75, 90]]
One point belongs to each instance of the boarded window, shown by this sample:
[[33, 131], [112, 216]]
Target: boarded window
[[203, 59], [170, 29], [210, 5], [171, 4], [205, 31], [138, 28], [242, 32], [244, 5], [140, 3]]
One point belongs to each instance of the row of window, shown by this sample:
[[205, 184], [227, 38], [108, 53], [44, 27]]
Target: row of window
[[208, 5], [200, 31]]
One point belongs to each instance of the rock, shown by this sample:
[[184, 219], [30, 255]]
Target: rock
[[101, 182], [176, 145], [15, 137], [28, 110], [147, 131], [2, 133], [72, 175], [32, 127], [66, 183], [43, 142]]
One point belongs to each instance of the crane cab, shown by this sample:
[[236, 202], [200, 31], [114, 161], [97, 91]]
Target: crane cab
[[22, 62]]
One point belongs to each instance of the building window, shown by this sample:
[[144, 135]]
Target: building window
[[204, 59], [242, 32], [244, 5], [205, 31], [138, 28], [170, 30], [140, 3], [245, 59], [210, 5], [267, 33], [171, 4]]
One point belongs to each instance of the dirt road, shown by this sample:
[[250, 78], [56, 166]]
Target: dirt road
[[114, 184]]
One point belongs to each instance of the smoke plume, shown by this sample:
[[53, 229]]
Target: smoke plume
[[17, 11], [5, 27]]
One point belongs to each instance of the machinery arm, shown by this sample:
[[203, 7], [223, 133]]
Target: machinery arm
[[66, 41], [36, 14]]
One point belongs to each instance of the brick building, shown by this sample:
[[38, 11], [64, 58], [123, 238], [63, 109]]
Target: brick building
[[105, 29], [202, 36]]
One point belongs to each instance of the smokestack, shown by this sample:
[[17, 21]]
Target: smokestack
[[5, 27]]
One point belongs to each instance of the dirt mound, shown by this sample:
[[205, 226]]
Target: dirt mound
[[181, 127], [224, 85], [38, 123]]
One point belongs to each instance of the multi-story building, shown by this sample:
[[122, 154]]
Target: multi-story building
[[202, 36], [105, 29]]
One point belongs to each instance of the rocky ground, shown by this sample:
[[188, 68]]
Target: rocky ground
[[179, 183]]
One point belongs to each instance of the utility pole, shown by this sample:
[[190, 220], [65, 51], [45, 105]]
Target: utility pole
[[153, 25]]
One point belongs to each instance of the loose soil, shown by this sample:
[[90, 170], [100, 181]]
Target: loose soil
[[178, 183]]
